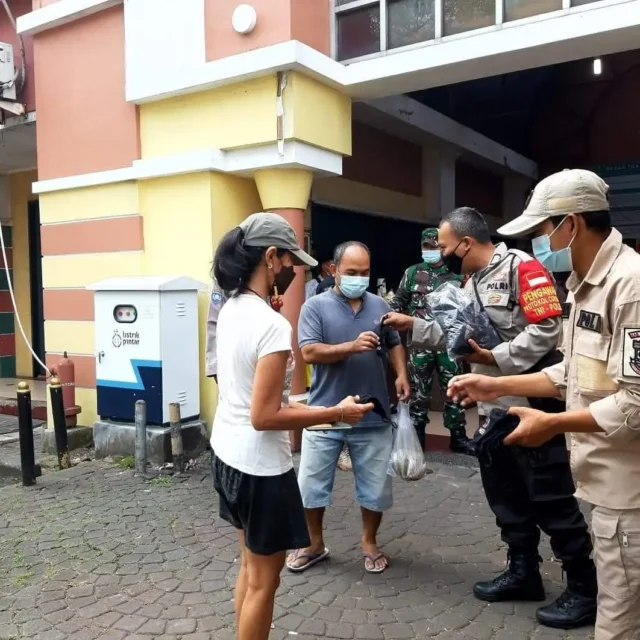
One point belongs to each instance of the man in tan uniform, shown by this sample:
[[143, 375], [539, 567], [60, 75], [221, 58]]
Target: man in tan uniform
[[568, 218]]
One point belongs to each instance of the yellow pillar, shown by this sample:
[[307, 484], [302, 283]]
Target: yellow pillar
[[284, 188]]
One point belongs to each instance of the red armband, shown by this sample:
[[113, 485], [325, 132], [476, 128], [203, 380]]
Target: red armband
[[538, 297]]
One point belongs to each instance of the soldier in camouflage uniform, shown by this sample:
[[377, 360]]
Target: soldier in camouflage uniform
[[411, 298]]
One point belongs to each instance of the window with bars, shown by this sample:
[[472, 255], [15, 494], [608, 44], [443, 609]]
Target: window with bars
[[365, 27]]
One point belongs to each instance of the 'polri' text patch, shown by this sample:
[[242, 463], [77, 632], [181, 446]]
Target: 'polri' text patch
[[590, 321]]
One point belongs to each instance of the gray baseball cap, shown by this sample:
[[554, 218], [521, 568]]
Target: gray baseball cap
[[569, 191], [272, 230]]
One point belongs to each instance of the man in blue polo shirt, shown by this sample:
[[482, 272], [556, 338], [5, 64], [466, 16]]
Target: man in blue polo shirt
[[337, 335]]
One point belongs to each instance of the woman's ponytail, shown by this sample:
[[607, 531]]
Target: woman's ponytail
[[234, 263]]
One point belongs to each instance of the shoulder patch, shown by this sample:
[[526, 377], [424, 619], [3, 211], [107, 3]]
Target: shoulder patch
[[631, 352], [538, 297], [216, 297]]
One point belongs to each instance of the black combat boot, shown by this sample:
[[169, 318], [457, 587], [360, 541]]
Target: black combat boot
[[460, 442], [577, 605], [520, 582]]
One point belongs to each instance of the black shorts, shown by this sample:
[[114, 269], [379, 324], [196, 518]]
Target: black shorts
[[267, 508]]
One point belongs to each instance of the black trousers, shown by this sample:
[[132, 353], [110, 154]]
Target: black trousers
[[530, 490]]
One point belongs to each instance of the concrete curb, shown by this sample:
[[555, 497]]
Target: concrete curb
[[9, 469]]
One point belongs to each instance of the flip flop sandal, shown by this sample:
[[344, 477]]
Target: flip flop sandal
[[373, 559], [313, 558]]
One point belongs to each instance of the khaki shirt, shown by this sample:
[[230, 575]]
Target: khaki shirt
[[601, 372], [216, 301], [524, 343]]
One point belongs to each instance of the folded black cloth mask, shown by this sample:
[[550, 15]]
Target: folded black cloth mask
[[382, 330], [377, 405], [497, 426]]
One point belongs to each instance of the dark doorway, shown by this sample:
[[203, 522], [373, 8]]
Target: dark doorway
[[37, 298], [394, 244]]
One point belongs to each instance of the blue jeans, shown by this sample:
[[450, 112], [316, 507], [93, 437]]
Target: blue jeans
[[370, 450]]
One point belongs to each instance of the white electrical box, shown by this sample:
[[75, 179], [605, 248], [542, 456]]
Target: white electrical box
[[146, 339], [7, 71]]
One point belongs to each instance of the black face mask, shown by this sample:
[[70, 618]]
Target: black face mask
[[283, 279], [453, 262]]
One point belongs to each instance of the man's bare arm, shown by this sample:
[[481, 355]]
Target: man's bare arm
[[320, 353], [326, 353], [532, 385], [469, 388]]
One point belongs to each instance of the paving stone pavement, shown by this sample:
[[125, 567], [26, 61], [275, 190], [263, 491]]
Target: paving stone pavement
[[93, 552]]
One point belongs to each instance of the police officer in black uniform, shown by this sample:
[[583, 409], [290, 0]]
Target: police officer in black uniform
[[528, 490]]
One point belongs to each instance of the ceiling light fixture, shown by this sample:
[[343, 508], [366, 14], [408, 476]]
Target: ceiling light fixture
[[597, 66]]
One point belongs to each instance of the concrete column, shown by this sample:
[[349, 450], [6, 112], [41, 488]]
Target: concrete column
[[514, 195], [438, 181], [448, 180]]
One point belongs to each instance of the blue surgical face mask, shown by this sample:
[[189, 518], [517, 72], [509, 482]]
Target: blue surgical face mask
[[555, 261], [353, 286], [432, 256]]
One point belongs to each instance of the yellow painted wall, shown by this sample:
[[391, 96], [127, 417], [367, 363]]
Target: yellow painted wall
[[118, 199], [74, 337], [20, 187], [177, 225], [317, 114], [184, 218], [232, 200], [85, 398], [80, 270], [244, 115], [238, 115]]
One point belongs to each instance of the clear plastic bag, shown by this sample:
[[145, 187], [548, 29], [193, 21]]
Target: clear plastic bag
[[461, 319], [407, 457]]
